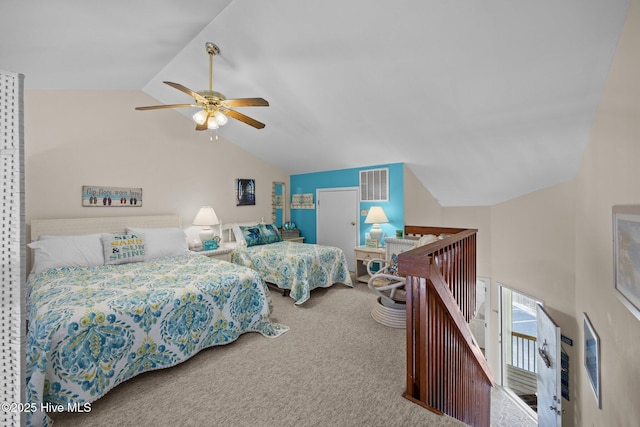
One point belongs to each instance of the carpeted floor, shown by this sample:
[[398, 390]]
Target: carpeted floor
[[336, 366]]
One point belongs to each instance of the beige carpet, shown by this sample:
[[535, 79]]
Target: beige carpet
[[335, 367]]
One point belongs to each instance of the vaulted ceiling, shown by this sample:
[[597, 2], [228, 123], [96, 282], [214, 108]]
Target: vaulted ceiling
[[483, 100]]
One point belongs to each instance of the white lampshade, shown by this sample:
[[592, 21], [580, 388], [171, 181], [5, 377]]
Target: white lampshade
[[376, 216], [221, 119], [212, 123], [200, 117], [206, 217]]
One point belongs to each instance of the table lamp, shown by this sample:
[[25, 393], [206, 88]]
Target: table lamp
[[205, 218], [376, 216]]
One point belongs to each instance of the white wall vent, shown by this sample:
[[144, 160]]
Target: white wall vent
[[374, 185]]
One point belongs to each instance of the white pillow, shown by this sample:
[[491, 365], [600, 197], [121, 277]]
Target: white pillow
[[161, 242], [426, 239], [66, 251]]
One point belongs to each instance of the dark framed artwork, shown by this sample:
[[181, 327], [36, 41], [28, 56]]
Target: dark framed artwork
[[245, 192], [626, 256], [99, 196], [592, 357]]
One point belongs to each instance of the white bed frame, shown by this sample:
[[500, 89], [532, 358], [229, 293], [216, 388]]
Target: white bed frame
[[114, 224]]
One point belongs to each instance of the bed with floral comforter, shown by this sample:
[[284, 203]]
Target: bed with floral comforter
[[298, 267], [91, 328]]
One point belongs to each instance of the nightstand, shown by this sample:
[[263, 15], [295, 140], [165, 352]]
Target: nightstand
[[294, 239], [220, 253], [363, 255]]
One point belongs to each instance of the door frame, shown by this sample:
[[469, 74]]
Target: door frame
[[487, 316], [501, 327], [501, 378]]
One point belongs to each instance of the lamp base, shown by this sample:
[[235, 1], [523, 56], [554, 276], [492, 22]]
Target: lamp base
[[206, 234], [376, 233]]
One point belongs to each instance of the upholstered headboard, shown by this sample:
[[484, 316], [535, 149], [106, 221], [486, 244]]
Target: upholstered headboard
[[115, 224]]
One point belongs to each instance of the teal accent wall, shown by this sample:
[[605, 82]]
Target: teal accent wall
[[305, 219]]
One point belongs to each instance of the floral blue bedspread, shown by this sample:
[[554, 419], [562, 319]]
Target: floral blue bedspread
[[92, 328], [299, 267]]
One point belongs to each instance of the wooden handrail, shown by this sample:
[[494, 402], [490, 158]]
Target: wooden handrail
[[446, 370]]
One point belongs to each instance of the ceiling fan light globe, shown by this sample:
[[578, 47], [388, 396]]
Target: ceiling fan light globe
[[220, 118], [200, 117], [212, 124]]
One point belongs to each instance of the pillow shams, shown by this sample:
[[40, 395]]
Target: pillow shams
[[66, 251], [270, 233], [238, 235], [123, 248], [252, 235], [160, 242]]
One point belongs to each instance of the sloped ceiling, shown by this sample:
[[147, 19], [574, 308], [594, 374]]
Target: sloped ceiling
[[484, 100]]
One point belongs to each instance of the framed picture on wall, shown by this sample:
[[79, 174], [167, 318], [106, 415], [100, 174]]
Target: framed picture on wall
[[245, 192], [101, 196], [626, 256], [592, 357]]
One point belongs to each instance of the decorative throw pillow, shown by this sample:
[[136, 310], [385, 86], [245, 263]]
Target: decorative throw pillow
[[270, 233], [237, 233], [122, 248], [252, 235], [393, 265]]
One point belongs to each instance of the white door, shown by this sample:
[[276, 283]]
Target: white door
[[548, 361], [337, 220], [478, 323]]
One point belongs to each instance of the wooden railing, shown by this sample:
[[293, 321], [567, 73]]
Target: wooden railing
[[523, 349], [446, 370]]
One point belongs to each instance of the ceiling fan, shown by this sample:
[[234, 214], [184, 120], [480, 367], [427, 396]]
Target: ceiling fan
[[215, 107]]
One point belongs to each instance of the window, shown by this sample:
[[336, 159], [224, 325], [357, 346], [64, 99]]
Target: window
[[374, 185]]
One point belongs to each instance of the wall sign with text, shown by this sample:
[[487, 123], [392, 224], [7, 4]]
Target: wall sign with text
[[94, 196]]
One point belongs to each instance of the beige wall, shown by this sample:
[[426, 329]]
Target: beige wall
[[97, 138], [420, 207], [556, 245], [610, 175], [532, 251]]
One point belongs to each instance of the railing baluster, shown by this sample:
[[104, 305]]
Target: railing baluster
[[522, 341]]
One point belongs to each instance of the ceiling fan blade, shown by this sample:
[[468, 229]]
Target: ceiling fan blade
[[248, 120], [246, 102], [188, 91], [202, 126], [157, 107]]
